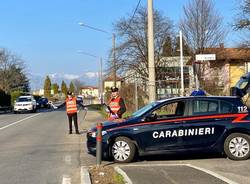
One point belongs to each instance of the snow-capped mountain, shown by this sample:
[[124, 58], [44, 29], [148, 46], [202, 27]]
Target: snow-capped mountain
[[88, 78]]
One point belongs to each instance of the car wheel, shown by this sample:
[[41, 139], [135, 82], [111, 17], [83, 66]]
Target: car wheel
[[237, 146], [123, 150]]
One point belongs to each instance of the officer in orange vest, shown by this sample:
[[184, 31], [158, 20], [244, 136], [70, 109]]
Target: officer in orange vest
[[116, 105], [71, 109]]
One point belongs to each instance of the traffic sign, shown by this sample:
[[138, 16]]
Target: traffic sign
[[205, 57]]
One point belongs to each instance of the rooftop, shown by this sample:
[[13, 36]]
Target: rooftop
[[229, 53]]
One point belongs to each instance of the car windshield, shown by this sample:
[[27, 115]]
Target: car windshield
[[42, 99], [24, 99], [144, 109]]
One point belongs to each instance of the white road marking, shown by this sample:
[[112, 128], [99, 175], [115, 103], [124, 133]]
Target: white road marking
[[188, 165], [85, 178], [213, 174], [19, 121], [66, 179]]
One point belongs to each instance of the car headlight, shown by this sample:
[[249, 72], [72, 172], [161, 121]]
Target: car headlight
[[93, 134]]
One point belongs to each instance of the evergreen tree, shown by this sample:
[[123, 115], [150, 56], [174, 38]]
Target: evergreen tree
[[64, 88], [72, 87], [168, 47], [186, 49], [55, 88], [47, 87]]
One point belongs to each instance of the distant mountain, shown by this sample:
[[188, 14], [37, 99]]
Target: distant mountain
[[37, 81]]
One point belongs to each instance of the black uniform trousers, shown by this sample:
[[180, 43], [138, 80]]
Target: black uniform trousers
[[71, 117]]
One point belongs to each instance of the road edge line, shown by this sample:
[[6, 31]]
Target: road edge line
[[19, 121], [124, 175], [213, 174], [85, 177]]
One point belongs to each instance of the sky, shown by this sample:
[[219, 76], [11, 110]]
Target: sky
[[46, 33]]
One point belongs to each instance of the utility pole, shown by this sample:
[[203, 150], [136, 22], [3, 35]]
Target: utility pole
[[181, 62], [114, 61], [151, 62], [101, 81], [136, 93]]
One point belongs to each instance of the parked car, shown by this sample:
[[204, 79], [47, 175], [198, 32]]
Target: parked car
[[79, 99], [25, 104], [43, 103], [170, 126]]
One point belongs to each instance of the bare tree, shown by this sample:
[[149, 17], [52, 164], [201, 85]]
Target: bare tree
[[132, 49], [202, 25], [243, 18], [242, 22], [78, 84], [12, 73]]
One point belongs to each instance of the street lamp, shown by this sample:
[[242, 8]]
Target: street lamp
[[101, 73], [113, 46]]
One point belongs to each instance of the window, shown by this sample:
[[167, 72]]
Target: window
[[170, 110], [225, 107], [203, 107]]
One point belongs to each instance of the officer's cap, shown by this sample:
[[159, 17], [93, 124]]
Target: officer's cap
[[114, 89], [69, 93]]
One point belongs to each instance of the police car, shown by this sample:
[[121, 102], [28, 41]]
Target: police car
[[182, 124]]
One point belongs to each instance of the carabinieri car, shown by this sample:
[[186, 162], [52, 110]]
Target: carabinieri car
[[183, 124]]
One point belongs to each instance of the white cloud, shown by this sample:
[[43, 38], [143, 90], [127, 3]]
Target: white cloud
[[91, 74], [71, 76], [64, 76]]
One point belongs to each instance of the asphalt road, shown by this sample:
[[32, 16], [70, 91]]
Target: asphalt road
[[37, 149]]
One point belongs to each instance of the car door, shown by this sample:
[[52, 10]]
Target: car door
[[160, 132], [204, 127]]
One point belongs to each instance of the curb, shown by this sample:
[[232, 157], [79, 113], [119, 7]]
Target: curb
[[124, 175], [85, 178]]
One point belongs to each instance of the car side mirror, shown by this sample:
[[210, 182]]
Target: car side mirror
[[150, 117]]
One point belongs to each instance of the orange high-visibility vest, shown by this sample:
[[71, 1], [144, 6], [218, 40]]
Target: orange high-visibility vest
[[114, 104], [71, 106]]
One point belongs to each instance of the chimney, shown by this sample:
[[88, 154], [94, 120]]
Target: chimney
[[222, 45]]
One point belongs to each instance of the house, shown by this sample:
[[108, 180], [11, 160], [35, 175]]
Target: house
[[223, 73], [169, 76], [40, 92], [90, 91], [168, 81], [109, 82]]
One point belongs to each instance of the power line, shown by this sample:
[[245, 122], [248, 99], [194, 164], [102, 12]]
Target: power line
[[130, 21], [138, 4]]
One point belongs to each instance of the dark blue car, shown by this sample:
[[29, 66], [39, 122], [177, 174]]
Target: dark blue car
[[187, 124], [43, 103]]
